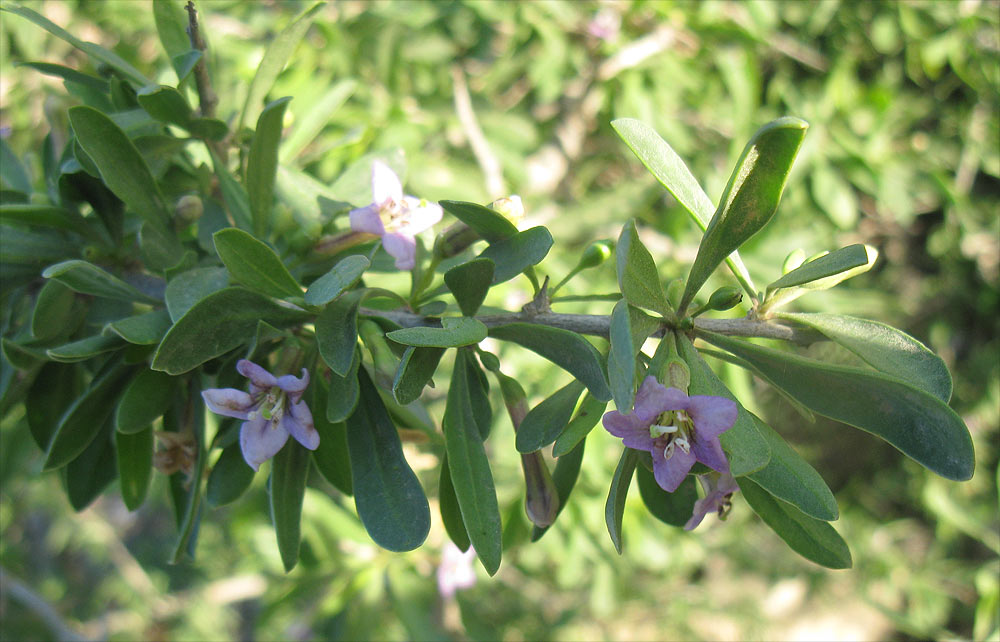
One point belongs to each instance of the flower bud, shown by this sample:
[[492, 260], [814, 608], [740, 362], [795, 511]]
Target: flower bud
[[188, 209], [725, 298], [676, 374], [675, 290], [595, 254], [511, 208], [541, 499], [794, 259], [382, 356], [454, 240], [514, 399]]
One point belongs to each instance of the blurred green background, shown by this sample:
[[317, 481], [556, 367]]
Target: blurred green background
[[903, 99]]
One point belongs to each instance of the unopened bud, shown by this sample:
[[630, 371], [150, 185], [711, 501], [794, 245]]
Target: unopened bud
[[541, 499], [454, 240], [725, 298], [595, 254], [675, 290], [514, 399], [383, 358], [188, 209], [676, 374], [511, 208], [794, 259]]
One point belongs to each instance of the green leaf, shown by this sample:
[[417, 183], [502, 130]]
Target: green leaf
[[341, 276], [789, 477], [235, 196], [750, 199], [455, 332], [414, 372], [189, 287], [262, 164], [277, 54], [145, 399], [637, 276], [745, 447], [564, 477], [916, 422], [99, 85], [811, 538], [185, 490], [171, 26], [544, 422], [218, 323], [488, 224], [614, 509], [91, 472], [885, 348], [673, 508], [516, 254], [84, 348], [568, 350], [332, 458], [479, 396], [389, 499], [621, 358], [289, 470], [54, 389], [254, 264], [135, 465], [44, 215], [53, 314], [587, 415], [96, 52], [337, 331], [835, 262], [470, 282], [470, 469], [230, 477], [668, 168], [451, 514], [83, 420], [184, 63], [344, 392], [142, 329], [12, 172], [314, 117], [165, 104], [89, 279]]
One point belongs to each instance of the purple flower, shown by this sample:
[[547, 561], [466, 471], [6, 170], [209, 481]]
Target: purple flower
[[456, 571], [394, 217], [272, 410], [676, 429], [718, 490]]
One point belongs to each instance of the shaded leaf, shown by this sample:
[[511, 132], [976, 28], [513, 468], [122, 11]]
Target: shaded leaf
[[89, 279], [587, 415], [517, 253], [470, 282], [135, 465], [191, 286], [143, 329], [621, 358], [487, 223], [673, 508], [341, 276], [254, 264], [230, 477], [289, 470], [455, 332], [262, 163], [145, 399], [451, 514], [544, 422], [637, 275], [337, 331], [564, 477], [614, 509], [414, 372]]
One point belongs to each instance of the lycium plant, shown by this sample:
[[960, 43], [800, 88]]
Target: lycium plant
[[150, 273]]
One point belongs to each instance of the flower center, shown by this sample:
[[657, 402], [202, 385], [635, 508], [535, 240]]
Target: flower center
[[394, 214], [672, 430], [271, 406]]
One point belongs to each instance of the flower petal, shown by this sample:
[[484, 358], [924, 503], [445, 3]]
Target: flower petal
[[228, 402], [702, 507], [385, 184], [709, 452], [649, 400], [259, 377], [669, 473], [402, 247], [420, 215], [366, 219], [631, 429], [293, 385], [712, 416], [299, 423], [259, 441]]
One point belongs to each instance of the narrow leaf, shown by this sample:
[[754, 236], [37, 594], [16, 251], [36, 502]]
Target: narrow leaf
[[262, 164], [587, 415], [673, 508], [414, 372], [455, 332], [568, 350], [750, 199], [254, 264], [143, 329], [470, 282], [488, 224], [451, 514], [332, 458], [621, 358], [544, 422], [835, 262], [337, 331], [811, 538], [87, 278], [289, 470], [390, 502], [145, 399], [916, 422], [83, 349], [135, 465], [90, 473], [230, 477], [341, 276], [517, 253], [564, 477], [614, 509], [637, 275]]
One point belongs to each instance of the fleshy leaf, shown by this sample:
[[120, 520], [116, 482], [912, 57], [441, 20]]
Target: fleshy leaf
[[587, 415], [262, 164], [885, 348], [415, 369], [470, 469], [568, 350], [487, 223], [811, 538], [455, 332], [564, 477], [135, 465], [142, 329], [390, 502], [337, 331], [835, 262], [230, 477], [341, 276], [332, 458], [145, 399], [87, 278], [621, 358], [254, 264], [516, 254], [544, 422], [637, 275], [750, 199], [470, 282], [80, 350], [289, 470], [451, 514], [914, 421], [614, 509], [745, 447], [191, 286], [670, 508]]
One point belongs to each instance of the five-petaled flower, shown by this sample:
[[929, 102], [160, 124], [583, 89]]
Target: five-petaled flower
[[272, 410], [676, 429], [394, 217], [719, 490]]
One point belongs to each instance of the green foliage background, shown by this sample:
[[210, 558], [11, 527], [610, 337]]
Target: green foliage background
[[902, 153]]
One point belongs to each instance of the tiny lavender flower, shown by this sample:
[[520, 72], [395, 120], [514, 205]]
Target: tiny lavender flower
[[718, 491], [676, 429], [271, 411], [394, 217], [456, 571]]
